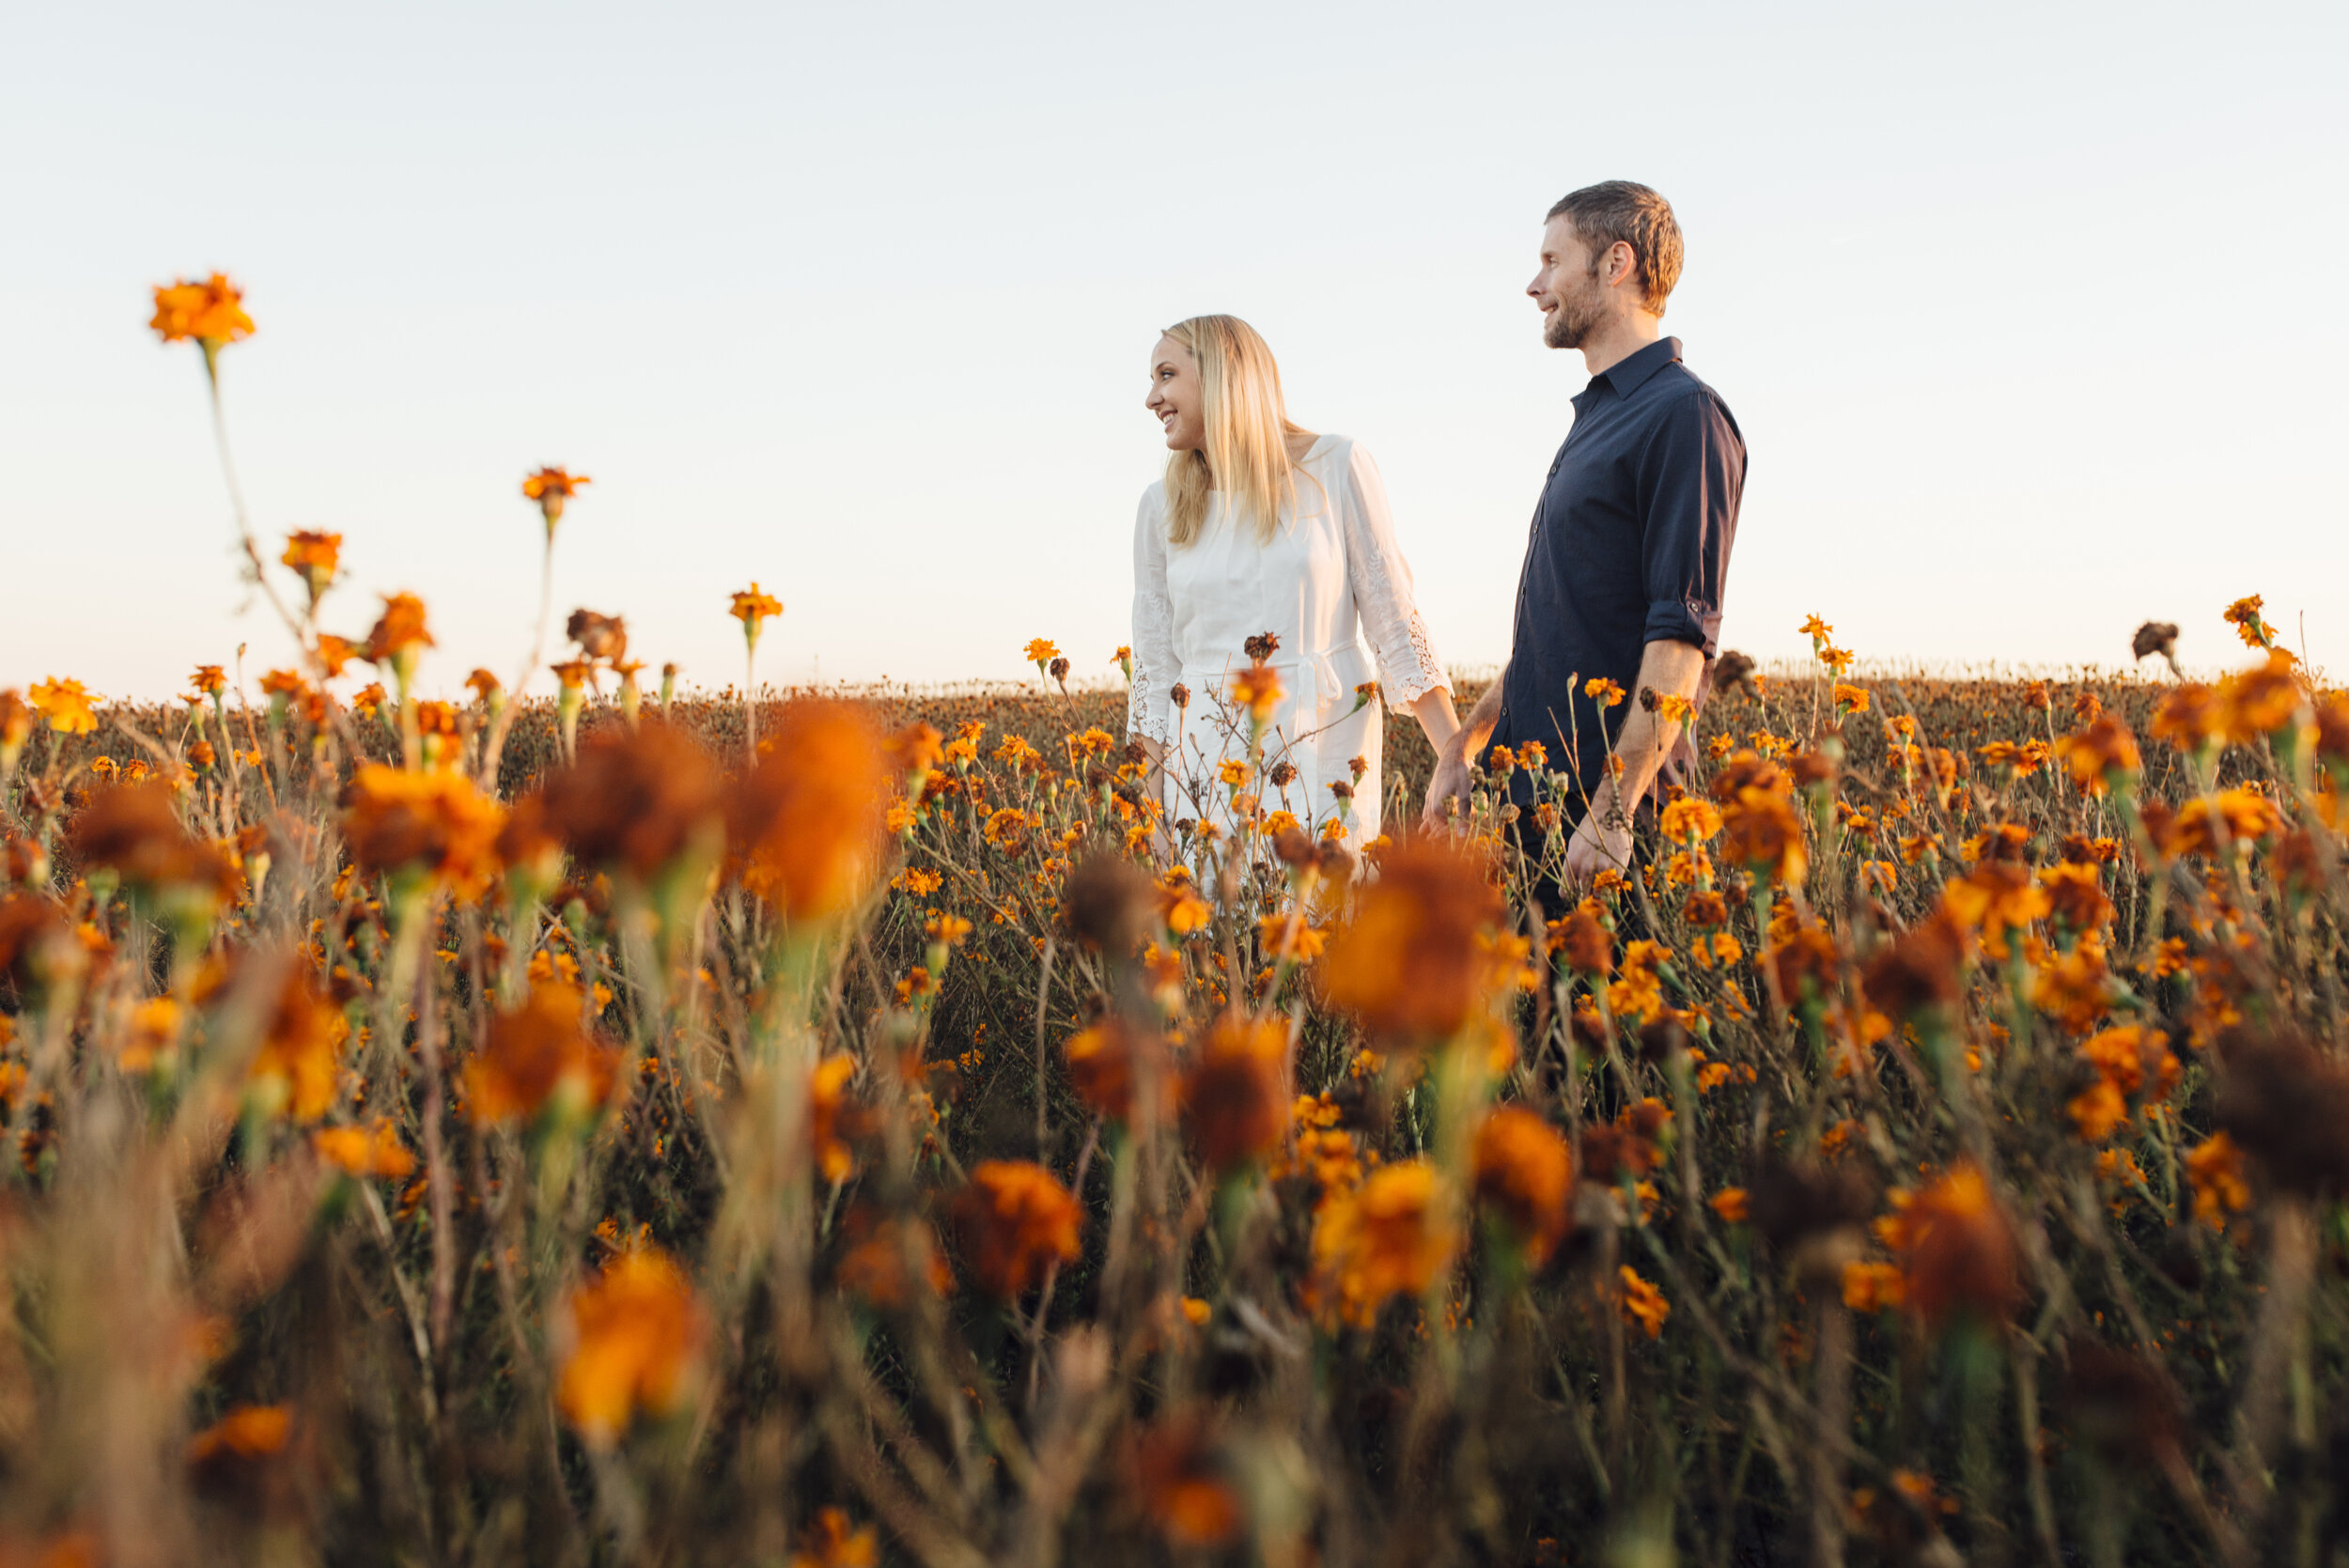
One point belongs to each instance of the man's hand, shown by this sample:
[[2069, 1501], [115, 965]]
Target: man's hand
[[1449, 782], [1597, 846]]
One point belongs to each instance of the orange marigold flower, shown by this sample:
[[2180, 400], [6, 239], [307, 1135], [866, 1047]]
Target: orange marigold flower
[[1101, 1064], [399, 630], [66, 704], [1763, 833], [1235, 1096], [1604, 691], [2189, 717], [1390, 1237], [1643, 1303], [633, 1338], [885, 1260], [1815, 629], [550, 488], [1850, 699], [834, 1542], [539, 1054], [2261, 700], [2096, 1110], [1956, 1248], [2102, 755], [2244, 816], [1013, 1223], [754, 609], [807, 826], [246, 1431], [1181, 1488], [1409, 962], [1690, 819], [1874, 1287], [1996, 898], [211, 311], [1257, 689], [2215, 1169], [435, 825], [1042, 651], [299, 1063], [316, 556], [1731, 1204], [2077, 895], [2244, 615], [831, 1117], [1523, 1173], [363, 1153]]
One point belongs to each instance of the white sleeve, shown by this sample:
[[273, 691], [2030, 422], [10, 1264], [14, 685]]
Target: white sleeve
[[1407, 666], [1149, 708]]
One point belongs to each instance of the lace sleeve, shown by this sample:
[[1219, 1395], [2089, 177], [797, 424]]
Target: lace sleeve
[[1150, 705], [1381, 578]]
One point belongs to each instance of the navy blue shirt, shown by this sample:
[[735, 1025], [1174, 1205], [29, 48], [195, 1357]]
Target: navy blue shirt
[[1630, 546]]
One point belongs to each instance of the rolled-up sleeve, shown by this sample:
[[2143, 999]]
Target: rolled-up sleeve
[[1692, 477]]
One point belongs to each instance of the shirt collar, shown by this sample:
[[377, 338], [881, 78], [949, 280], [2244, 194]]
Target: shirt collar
[[1625, 376]]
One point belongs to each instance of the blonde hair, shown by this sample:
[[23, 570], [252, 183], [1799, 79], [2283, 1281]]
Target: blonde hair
[[1248, 428]]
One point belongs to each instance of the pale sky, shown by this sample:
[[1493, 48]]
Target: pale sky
[[2032, 314]]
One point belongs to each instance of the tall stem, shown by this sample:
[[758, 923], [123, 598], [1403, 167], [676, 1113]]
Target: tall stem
[[494, 748]]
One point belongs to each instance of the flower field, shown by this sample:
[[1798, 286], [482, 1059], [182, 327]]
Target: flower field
[[852, 1127]]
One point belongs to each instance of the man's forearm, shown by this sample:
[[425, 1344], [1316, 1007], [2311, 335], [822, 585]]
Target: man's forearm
[[1477, 727], [1670, 670]]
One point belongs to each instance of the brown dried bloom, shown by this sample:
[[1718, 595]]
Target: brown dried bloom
[[635, 800]]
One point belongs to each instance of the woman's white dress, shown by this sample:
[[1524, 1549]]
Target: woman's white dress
[[1334, 586]]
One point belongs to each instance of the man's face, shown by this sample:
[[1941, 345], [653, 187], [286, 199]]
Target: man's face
[[1572, 301]]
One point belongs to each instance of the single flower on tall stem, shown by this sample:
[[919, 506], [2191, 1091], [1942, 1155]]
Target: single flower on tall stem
[[753, 608], [550, 488]]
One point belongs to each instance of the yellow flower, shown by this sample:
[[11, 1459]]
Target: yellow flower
[[2215, 1167], [211, 311], [66, 705], [754, 609], [635, 1335], [1643, 1304], [1391, 1236]]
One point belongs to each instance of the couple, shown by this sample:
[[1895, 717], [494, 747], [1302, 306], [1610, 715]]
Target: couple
[[1263, 527]]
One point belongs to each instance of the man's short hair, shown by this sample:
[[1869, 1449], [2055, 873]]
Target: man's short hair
[[1620, 209]]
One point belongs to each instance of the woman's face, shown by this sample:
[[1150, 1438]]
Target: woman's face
[[1174, 396]]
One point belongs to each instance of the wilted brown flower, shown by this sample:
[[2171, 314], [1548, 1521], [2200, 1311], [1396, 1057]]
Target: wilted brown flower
[[538, 1053], [634, 1335], [1524, 1174], [599, 637], [636, 801], [1012, 1223], [1235, 1098], [1409, 962], [2153, 637], [2121, 1404], [1107, 905], [2287, 1105], [1102, 1061], [134, 830], [1919, 968], [807, 827]]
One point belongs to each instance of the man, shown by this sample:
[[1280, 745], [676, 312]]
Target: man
[[1629, 550]]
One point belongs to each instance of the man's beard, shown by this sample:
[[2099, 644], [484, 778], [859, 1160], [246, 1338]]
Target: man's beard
[[1577, 317]]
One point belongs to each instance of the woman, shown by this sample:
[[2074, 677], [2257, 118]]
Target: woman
[[1260, 528]]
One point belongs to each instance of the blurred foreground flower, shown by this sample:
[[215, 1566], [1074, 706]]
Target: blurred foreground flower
[[1013, 1223], [1956, 1250], [1235, 1096], [66, 705], [541, 1055], [636, 801], [425, 832], [1524, 1176], [1390, 1237], [1409, 962], [635, 1335], [806, 826]]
